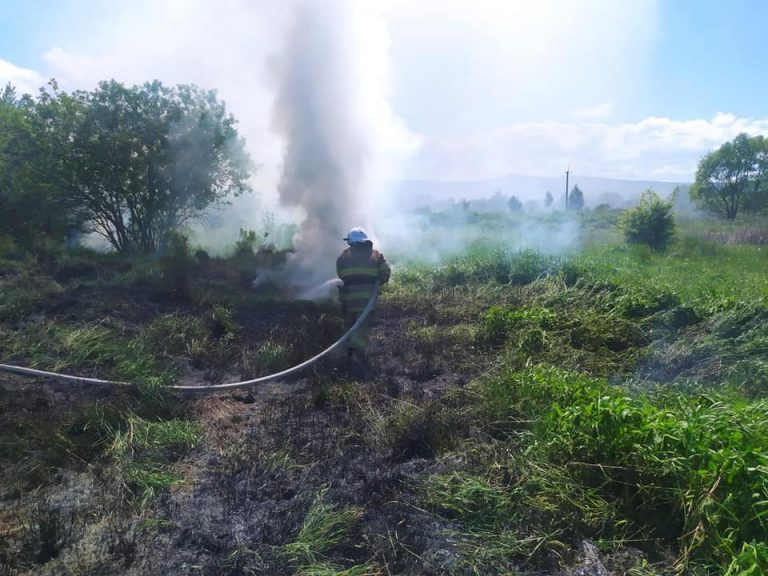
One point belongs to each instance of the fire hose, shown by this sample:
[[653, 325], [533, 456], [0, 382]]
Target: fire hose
[[214, 387]]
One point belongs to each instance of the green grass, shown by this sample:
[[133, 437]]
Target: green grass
[[411, 430], [99, 349], [703, 274], [325, 526], [145, 480], [482, 262], [136, 434], [271, 356], [143, 450], [24, 288], [696, 467], [517, 510], [752, 560], [623, 399], [325, 569], [649, 464], [688, 470]]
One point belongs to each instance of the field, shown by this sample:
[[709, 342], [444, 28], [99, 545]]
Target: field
[[598, 410]]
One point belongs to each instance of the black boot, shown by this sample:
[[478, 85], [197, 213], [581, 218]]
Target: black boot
[[358, 365]]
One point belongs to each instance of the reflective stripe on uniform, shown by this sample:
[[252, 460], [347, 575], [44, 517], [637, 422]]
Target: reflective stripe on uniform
[[359, 268], [356, 298], [357, 292], [370, 272]]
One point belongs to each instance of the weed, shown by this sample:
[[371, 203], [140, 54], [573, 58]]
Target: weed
[[692, 469], [145, 480], [168, 437], [346, 395], [270, 357], [499, 323], [411, 431], [485, 262], [328, 569], [142, 450], [517, 510], [93, 348], [324, 526], [751, 560], [202, 341], [152, 524]]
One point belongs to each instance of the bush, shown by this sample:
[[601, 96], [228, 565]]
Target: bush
[[650, 222]]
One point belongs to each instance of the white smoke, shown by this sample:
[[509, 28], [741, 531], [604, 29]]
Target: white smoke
[[340, 134]]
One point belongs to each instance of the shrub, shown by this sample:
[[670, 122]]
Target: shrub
[[650, 222]]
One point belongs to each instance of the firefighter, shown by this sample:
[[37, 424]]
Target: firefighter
[[359, 266]]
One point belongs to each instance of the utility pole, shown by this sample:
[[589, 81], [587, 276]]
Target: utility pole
[[567, 173]]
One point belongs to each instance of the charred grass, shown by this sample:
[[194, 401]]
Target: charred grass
[[530, 415]]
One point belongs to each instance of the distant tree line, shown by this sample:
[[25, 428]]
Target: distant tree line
[[128, 163]]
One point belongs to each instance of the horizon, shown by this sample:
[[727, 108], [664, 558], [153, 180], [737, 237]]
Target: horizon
[[550, 177]]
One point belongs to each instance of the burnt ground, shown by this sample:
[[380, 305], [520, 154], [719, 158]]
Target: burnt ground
[[267, 455]]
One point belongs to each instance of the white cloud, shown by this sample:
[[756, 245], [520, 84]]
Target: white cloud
[[467, 66], [79, 70], [26, 81], [654, 148]]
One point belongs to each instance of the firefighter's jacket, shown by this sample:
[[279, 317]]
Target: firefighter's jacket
[[359, 266]]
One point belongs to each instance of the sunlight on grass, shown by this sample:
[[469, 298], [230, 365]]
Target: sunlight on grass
[[709, 276]]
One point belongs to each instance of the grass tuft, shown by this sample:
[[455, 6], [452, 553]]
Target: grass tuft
[[325, 526]]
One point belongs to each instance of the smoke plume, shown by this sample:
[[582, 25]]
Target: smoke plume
[[320, 112]]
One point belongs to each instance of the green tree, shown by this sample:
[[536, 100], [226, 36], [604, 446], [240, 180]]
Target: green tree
[[514, 204], [143, 160], [651, 222], [33, 208], [576, 199], [548, 199], [733, 177]]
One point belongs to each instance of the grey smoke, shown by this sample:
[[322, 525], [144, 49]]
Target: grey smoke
[[317, 113], [333, 145]]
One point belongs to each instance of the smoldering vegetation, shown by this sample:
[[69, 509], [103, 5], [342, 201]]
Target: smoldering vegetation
[[319, 111], [577, 393], [590, 412]]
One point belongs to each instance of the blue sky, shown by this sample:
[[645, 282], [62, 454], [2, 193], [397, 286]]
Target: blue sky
[[710, 57], [633, 89]]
